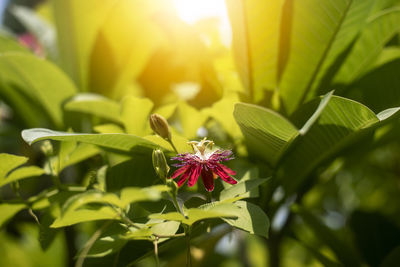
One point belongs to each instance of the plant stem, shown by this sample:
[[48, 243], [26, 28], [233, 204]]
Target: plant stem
[[90, 243], [188, 254], [173, 146], [155, 242], [176, 204]]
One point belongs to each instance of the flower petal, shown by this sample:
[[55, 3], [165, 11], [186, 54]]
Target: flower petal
[[184, 177], [179, 171], [227, 170], [194, 175], [224, 176], [208, 180]]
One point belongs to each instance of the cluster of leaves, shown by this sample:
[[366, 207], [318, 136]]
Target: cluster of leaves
[[101, 79]]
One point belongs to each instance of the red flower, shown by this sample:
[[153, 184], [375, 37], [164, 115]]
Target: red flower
[[203, 162]]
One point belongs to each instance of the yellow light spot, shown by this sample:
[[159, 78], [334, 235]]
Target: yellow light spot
[[192, 11]]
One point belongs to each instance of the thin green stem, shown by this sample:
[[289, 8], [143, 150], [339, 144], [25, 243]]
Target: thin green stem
[[129, 222], [90, 243], [188, 254], [176, 204], [155, 242], [173, 146]]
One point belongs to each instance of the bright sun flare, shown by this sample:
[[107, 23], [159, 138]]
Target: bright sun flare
[[192, 11]]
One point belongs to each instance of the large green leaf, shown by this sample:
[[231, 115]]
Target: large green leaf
[[9, 162], [85, 215], [190, 119], [194, 215], [42, 83], [77, 24], [379, 30], [9, 174], [379, 88], [320, 31], [120, 142], [7, 211], [79, 208], [96, 105], [250, 218], [340, 123], [267, 133], [135, 114], [240, 190], [125, 42], [256, 28], [22, 173]]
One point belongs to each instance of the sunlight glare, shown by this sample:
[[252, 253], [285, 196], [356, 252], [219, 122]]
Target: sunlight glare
[[191, 11]]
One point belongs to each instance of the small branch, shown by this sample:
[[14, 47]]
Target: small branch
[[169, 236], [173, 146], [129, 221], [34, 216], [188, 254], [155, 242], [90, 243]]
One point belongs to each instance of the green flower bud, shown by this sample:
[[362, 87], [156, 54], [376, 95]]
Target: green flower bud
[[47, 148], [160, 164], [160, 126]]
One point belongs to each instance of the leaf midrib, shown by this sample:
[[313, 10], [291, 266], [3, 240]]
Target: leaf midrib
[[325, 53]]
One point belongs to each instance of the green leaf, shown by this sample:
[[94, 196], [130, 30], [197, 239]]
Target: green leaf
[[166, 228], [106, 245], [190, 119], [135, 114], [79, 208], [267, 133], [339, 124], [9, 173], [108, 128], [7, 211], [250, 218], [131, 194], [85, 215], [9, 162], [366, 89], [22, 173], [321, 30], [118, 55], [180, 142], [23, 73], [198, 214], [315, 116], [78, 24], [80, 153], [96, 105], [222, 111], [240, 190], [379, 30], [256, 40], [120, 142]]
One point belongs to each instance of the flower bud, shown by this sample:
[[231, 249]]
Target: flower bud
[[160, 126], [160, 164], [47, 148]]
